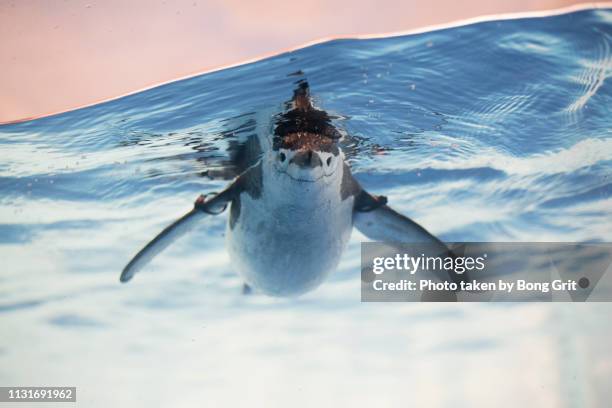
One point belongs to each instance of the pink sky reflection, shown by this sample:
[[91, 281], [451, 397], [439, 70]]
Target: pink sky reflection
[[59, 55]]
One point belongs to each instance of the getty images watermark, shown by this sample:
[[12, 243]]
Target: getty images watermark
[[483, 272]]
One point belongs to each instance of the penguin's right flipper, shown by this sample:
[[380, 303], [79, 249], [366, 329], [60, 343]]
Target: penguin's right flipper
[[201, 209]]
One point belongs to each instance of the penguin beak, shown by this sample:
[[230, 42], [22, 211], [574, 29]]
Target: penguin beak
[[300, 165], [306, 159], [306, 164]]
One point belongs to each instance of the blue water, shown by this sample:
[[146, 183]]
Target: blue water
[[497, 131]]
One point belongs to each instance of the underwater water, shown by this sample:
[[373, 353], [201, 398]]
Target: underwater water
[[496, 131]]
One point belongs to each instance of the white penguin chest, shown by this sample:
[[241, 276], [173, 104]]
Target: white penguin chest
[[287, 245]]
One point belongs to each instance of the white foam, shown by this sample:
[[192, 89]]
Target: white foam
[[585, 153], [594, 76]]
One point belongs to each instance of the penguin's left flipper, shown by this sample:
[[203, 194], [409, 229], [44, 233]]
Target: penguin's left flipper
[[379, 222], [202, 208]]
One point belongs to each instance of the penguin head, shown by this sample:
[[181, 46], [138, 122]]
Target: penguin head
[[305, 141]]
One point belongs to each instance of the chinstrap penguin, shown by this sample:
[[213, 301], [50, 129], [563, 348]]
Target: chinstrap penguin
[[292, 211]]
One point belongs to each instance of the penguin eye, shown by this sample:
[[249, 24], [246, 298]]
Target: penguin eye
[[282, 157], [329, 161]]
